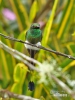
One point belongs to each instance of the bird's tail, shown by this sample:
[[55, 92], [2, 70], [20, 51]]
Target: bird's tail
[[32, 54]]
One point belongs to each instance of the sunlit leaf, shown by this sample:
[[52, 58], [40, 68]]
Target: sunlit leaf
[[49, 24], [65, 19], [7, 65], [33, 11], [4, 68], [48, 28], [19, 76]]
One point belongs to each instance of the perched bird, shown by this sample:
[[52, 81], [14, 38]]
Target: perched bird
[[33, 36]]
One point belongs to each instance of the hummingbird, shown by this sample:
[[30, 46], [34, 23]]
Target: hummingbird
[[33, 36]]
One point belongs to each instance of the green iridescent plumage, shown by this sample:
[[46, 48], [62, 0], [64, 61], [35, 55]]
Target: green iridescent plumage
[[34, 34]]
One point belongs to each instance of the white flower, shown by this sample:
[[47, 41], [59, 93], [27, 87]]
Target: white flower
[[45, 69]]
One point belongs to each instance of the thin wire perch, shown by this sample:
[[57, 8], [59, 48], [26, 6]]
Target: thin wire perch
[[38, 46]]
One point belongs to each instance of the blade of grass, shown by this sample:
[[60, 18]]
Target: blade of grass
[[64, 20], [47, 29], [21, 14], [33, 11], [68, 66], [48, 25], [4, 68]]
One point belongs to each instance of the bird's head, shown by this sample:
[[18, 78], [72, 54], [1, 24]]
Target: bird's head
[[35, 26]]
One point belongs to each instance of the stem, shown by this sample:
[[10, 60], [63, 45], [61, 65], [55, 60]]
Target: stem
[[39, 46], [20, 56], [6, 95]]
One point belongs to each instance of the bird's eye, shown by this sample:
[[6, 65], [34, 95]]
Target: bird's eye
[[31, 86]]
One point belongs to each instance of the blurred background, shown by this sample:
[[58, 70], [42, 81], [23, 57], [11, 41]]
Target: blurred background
[[57, 22]]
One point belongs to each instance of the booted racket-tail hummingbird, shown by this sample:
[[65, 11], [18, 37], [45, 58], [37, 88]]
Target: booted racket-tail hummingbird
[[33, 36]]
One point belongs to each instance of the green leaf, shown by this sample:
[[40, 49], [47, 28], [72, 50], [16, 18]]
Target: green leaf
[[17, 88], [21, 14], [66, 64], [7, 42], [19, 76], [33, 11], [4, 68], [47, 29], [20, 46], [49, 24], [65, 20], [20, 72], [7, 65]]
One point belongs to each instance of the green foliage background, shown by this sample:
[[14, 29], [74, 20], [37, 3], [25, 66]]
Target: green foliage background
[[57, 19]]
